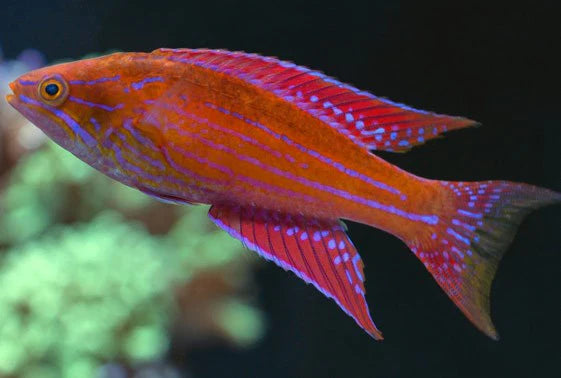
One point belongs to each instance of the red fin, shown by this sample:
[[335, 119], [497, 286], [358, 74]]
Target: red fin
[[319, 252], [463, 251], [372, 122]]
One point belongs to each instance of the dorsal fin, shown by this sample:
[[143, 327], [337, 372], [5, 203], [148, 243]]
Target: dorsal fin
[[372, 122]]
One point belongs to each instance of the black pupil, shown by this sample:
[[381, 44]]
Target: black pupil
[[51, 89]]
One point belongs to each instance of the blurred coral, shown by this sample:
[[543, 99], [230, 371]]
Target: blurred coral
[[83, 294], [96, 277]]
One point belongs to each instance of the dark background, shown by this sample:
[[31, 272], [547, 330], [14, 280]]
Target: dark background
[[495, 63]]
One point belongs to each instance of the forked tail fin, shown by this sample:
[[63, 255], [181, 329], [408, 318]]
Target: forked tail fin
[[463, 250]]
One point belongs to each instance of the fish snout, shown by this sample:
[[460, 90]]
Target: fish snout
[[21, 88], [10, 97]]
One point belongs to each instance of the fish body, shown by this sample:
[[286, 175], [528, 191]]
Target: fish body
[[282, 153]]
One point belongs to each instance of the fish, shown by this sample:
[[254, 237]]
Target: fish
[[283, 154]]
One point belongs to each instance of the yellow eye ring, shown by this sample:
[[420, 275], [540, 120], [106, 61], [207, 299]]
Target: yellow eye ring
[[53, 90]]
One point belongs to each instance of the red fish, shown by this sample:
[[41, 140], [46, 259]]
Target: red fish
[[282, 153]]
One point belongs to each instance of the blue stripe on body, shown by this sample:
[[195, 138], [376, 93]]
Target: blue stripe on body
[[140, 84], [310, 152], [243, 137], [95, 81], [202, 160], [96, 124], [184, 171], [153, 162], [70, 122], [159, 181], [429, 219], [94, 105], [256, 183], [226, 130], [127, 125], [128, 166], [28, 82]]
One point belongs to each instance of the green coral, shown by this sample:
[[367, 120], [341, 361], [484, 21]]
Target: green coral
[[41, 190], [83, 285], [240, 321], [85, 293]]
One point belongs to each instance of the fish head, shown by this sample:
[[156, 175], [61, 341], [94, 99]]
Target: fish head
[[81, 104]]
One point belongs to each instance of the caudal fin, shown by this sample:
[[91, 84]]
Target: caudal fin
[[463, 250]]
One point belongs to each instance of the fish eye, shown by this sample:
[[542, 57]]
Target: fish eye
[[53, 90]]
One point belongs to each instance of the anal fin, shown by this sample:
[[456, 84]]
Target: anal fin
[[317, 251]]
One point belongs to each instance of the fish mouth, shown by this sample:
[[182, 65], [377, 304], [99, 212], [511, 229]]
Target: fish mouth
[[34, 113], [11, 97], [15, 100]]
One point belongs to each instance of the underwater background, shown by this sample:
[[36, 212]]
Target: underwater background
[[98, 280]]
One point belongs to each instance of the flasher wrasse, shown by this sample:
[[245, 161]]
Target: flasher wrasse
[[282, 154]]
